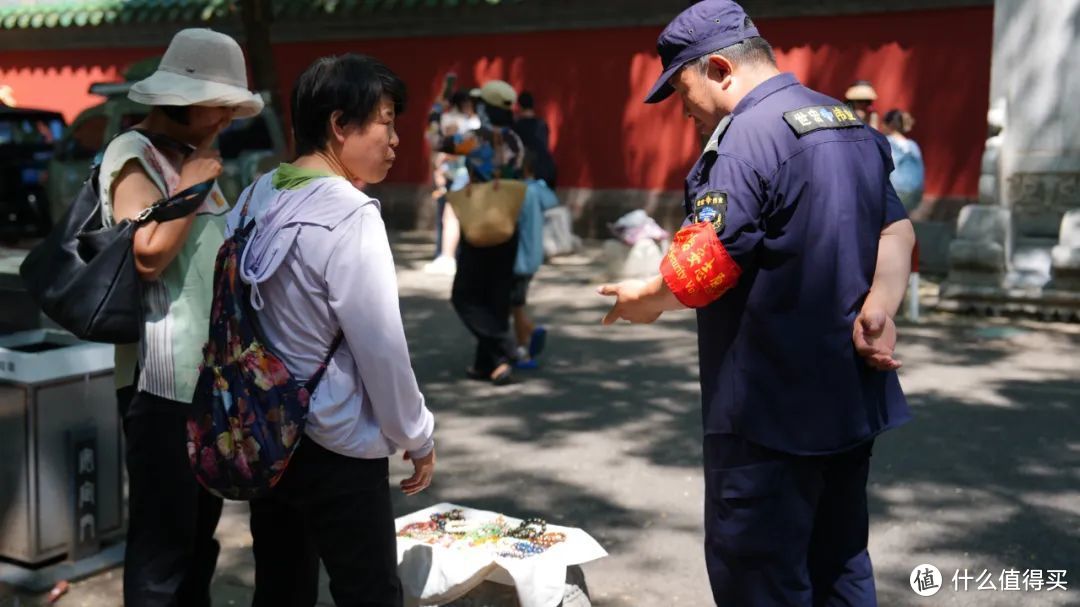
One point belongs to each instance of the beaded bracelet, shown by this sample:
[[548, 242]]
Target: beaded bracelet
[[424, 532], [528, 548], [457, 527], [529, 528], [550, 538], [521, 550], [488, 532], [440, 518], [417, 528]]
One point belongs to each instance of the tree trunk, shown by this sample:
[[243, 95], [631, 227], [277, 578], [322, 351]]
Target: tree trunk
[[257, 15]]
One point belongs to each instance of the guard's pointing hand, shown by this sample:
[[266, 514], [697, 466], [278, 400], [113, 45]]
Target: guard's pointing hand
[[634, 302]]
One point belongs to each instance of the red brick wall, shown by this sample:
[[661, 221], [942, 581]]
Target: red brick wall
[[60, 80], [934, 64], [589, 85]]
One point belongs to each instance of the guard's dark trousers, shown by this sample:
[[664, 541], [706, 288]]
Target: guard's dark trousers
[[171, 552], [786, 530]]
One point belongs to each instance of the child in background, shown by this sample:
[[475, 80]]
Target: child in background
[[538, 198]]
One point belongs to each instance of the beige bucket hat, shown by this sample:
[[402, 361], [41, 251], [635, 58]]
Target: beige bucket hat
[[200, 67], [498, 93], [861, 91]]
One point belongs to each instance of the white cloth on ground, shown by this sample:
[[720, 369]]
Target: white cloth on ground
[[434, 575]]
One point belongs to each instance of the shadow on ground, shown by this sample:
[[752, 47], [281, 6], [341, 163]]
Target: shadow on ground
[[607, 436]]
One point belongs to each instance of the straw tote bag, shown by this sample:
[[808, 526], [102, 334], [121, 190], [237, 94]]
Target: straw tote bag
[[488, 212]]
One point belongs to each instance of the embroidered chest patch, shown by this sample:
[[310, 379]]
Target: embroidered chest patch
[[817, 117], [711, 207]]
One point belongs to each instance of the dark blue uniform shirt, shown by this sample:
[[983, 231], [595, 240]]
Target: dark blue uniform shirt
[[799, 192]]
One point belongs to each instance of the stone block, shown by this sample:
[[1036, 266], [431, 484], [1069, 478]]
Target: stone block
[[979, 255], [991, 156], [934, 238], [976, 256], [1039, 200], [988, 189], [981, 223], [1065, 257], [1069, 235]]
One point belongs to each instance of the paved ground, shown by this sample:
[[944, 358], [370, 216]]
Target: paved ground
[[606, 437]]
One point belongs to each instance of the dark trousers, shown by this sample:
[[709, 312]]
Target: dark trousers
[[786, 530], [481, 297], [331, 507], [171, 552]]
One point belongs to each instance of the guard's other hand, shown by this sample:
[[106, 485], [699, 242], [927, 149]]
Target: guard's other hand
[[635, 301], [874, 336], [423, 472]]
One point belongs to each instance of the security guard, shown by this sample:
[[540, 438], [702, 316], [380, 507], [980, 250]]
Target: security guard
[[795, 254]]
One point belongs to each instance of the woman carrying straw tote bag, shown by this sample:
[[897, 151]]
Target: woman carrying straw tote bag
[[488, 210]]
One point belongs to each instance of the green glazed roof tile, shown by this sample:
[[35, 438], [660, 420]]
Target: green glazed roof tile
[[22, 14]]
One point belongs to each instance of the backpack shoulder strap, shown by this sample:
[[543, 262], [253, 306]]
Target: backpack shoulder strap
[[244, 226], [334, 345]]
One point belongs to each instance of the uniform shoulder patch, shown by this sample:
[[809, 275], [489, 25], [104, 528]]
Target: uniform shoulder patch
[[816, 117], [711, 207]]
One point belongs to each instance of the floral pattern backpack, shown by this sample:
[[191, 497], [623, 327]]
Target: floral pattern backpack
[[251, 411]]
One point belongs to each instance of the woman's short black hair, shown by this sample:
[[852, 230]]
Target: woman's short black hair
[[353, 84], [500, 116], [895, 119], [459, 99], [180, 114]]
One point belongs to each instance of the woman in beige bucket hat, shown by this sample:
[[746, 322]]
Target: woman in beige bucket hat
[[861, 97], [198, 89]]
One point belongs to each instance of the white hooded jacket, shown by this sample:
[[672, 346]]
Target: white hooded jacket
[[319, 259]]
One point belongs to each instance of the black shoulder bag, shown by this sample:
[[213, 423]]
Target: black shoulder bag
[[83, 274]]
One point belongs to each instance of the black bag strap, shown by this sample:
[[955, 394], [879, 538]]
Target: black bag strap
[[180, 204], [164, 142], [317, 377]]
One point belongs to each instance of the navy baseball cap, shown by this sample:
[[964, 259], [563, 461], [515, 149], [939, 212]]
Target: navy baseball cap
[[705, 27]]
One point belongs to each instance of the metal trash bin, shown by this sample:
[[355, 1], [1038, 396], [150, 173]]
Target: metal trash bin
[[20, 311], [61, 484]]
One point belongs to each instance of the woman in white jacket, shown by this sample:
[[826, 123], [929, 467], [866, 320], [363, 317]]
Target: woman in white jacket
[[318, 262]]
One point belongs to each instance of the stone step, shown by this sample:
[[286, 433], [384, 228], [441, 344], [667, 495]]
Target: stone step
[[1030, 263]]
